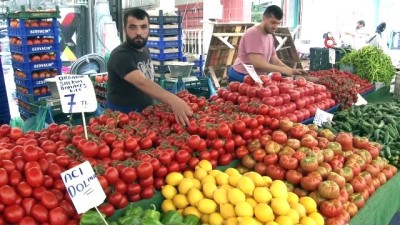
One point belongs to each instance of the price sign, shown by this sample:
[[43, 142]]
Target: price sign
[[332, 56], [252, 72], [360, 100], [83, 187], [76, 93], [322, 117]]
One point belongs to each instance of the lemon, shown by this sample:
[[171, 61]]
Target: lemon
[[257, 178], [215, 173], [309, 204], [191, 210], [262, 195], [208, 189], [204, 218], [168, 191], [235, 196], [243, 209], [231, 171], [216, 219], [221, 196], [284, 220], [180, 211], [180, 201], [188, 174], [200, 173], [246, 185], [227, 211], [222, 179], [294, 216], [300, 209], [194, 196], [278, 189], [226, 186], [264, 213], [205, 164], [251, 201], [206, 206], [272, 223], [247, 221], [234, 179], [207, 179], [196, 184], [307, 221], [167, 205], [185, 185], [280, 206], [173, 178], [292, 197], [267, 181], [231, 221], [319, 220]]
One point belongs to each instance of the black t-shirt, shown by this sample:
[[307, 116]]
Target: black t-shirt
[[123, 60]]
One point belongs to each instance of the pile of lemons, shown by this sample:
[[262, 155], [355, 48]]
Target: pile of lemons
[[230, 198]]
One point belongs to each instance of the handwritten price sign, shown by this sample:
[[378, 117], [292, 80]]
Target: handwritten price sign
[[76, 93]]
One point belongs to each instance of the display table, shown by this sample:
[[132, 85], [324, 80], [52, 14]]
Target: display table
[[379, 96]]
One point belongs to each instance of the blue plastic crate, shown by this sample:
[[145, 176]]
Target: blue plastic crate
[[164, 44], [161, 19], [28, 75], [27, 57], [165, 32], [24, 112], [41, 65], [166, 56], [32, 49], [30, 97], [29, 83]]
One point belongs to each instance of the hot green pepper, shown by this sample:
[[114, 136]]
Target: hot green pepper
[[134, 211], [91, 218], [152, 213]]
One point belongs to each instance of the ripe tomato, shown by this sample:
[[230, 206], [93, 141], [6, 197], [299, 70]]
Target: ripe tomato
[[8, 196], [3, 177], [30, 153], [49, 200], [54, 170], [144, 170], [112, 175], [16, 133], [147, 193], [14, 213], [182, 156], [288, 162], [90, 149], [133, 189], [107, 209], [128, 174], [40, 213], [24, 189], [58, 216], [115, 198], [120, 186], [15, 178]]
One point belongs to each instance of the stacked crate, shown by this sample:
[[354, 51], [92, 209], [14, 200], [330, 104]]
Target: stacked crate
[[35, 53], [165, 41], [4, 107]]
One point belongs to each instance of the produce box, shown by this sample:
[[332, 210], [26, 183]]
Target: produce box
[[319, 58]]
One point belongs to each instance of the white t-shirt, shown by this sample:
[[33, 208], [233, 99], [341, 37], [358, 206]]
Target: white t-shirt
[[361, 37]]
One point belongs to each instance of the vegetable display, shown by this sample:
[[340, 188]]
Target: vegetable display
[[377, 122], [371, 63]]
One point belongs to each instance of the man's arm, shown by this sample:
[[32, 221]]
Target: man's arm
[[179, 107], [259, 63]]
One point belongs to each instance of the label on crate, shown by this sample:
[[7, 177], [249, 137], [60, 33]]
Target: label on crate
[[252, 72], [42, 48], [40, 82], [43, 65], [76, 93], [322, 117], [83, 187], [40, 31]]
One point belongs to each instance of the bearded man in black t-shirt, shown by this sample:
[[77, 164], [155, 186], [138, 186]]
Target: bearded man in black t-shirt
[[131, 84]]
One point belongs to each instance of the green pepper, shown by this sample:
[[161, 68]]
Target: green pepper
[[152, 213], [150, 221], [91, 218], [129, 220], [113, 223], [172, 216], [134, 211]]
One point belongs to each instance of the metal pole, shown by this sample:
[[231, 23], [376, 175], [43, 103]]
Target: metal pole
[[91, 31]]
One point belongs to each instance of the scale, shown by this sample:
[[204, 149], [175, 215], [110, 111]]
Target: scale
[[180, 73]]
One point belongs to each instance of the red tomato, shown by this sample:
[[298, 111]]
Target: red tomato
[[331, 208], [293, 176], [133, 189], [144, 170], [30, 153], [128, 174], [115, 198], [15, 178], [27, 220], [34, 177], [147, 193], [107, 209], [90, 149], [182, 156], [8, 196], [13, 213], [3, 177], [49, 200], [58, 216], [16, 133], [27, 204], [287, 162], [24, 189]]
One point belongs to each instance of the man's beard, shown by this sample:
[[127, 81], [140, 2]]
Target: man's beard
[[137, 42]]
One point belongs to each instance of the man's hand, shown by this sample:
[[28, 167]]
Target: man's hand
[[181, 110], [299, 72]]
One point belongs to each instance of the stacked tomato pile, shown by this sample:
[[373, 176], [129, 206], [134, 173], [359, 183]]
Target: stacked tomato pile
[[284, 97], [340, 172]]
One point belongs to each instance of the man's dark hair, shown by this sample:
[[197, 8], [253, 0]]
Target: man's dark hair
[[138, 13], [362, 22], [274, 11]]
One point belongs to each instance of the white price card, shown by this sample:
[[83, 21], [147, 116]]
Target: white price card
[[83, 187], [322, 117], [332, 56], [252, 72], [360, 100], [76, 93]]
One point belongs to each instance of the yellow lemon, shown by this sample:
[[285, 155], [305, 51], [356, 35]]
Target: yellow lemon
[[205, 164], [226, 186], [188, 174], [272, 223], [206, 206], [196, 184], [251, 201], [191, 210], [180, 211], [243, 209], [317, 218], [278, 189], [292, 197], [284, 220], [173, 178], [168, 205], [264, 213], [208, 179], [194, 196], [307, 221], [294, 215], [168, 191], [216, 219], [215, 173], [309, 204], [200, 173], [246, 184], [185, 185], [231, 171], [231, 221], [262, 195], [180, 201], [208, 189], [222, 179], [205, 218], [221, 196], [280, 206], [257, 178], [267, 181], [234, 179], [247, 221], [235, 196], [300, 209], [227, 211]]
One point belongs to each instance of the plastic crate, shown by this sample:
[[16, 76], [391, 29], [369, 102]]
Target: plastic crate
[[29, 83], [32, 49], [170, 86], [33, 31], [34, 66], [23, 14], [24, 112], [30, 97], [319, 58], [29, 74], [164, 44], [161, 19], [27, 57], [166, 56], [166, 32]]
